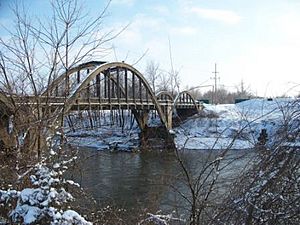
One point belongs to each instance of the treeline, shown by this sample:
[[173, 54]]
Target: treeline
[[222, 95], [162, 80]]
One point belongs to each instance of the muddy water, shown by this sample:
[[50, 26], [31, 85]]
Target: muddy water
[[148, 179]]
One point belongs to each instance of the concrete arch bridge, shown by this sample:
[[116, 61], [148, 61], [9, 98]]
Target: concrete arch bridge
[[99, 85]]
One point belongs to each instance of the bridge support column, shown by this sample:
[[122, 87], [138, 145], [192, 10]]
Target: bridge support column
[[141, 118], [157, 139], [169, 114], [154, 138]]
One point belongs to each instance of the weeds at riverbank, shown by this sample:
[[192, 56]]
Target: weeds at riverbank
[[266, 192]]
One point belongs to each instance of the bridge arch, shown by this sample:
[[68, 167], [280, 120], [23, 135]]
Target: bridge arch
[[183, 101], [116, 80], [185, 97], [72, 71], [165, 96]]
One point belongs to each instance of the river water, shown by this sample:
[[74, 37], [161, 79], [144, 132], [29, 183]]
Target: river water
[[148, 179]]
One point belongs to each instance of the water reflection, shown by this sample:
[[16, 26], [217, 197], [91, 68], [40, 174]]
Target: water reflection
[[131, 180]]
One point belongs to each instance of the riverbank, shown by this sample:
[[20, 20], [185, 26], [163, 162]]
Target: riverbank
[[234, 126], [238, 126]]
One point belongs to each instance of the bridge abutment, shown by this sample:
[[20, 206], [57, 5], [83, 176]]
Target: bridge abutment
[[183, 114], [156, 138]]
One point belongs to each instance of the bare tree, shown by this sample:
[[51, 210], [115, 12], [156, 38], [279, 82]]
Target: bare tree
[[168, 81], [174, 82], [163, 82], [225, 96], [152, 74], [173, 75], [243, 91], [268, 193], [203, 182], [39, 50]]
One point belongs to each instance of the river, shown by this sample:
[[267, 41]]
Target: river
[[148, 180]]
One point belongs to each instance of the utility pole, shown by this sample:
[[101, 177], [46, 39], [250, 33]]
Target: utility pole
[[215, 78]]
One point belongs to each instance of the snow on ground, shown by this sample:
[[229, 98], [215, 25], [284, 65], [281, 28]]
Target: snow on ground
[[219, 126], [106, 138], [105, 134], [233, 125]]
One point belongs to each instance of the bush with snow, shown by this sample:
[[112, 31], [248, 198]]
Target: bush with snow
[[159, 219], [45, 202]]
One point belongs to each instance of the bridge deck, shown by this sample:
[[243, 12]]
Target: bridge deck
[[103, 103]]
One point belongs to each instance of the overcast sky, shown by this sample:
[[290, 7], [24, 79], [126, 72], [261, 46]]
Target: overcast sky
[[256, 41]]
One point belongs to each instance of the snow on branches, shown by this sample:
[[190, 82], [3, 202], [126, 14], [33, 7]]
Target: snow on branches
[[45, 202]]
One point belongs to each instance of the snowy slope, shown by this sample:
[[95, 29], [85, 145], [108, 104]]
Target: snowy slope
[[234, 125]]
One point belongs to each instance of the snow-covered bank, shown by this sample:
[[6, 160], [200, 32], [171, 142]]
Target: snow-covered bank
[[106, 133], [235, 125], [106, 138]]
